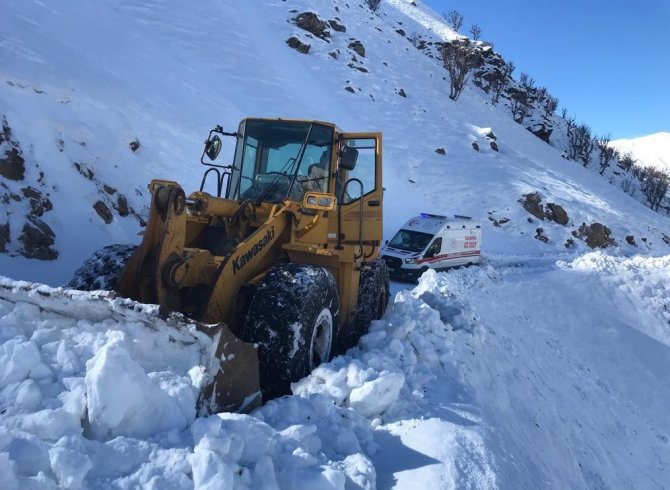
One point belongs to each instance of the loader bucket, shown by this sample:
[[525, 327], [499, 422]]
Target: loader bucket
[[235, 386], [230, 366]]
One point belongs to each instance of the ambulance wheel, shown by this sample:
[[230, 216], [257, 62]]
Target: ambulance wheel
[[102, 269], [294, 318], [373, 298]]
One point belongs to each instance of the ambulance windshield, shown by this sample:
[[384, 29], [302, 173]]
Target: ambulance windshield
[[411, 241]]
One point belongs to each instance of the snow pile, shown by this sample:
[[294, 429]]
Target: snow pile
[[89, 401], [74, 379], [643, 281]]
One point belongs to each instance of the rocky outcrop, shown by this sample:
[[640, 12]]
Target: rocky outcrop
[[596, 235], [541, 130], [533, 204], [12, 165], [311, 23], [298, 45], [553, 212], [37, 239], [4, 237], [557, 214], [103, 211], [357, 47], [336, 26]]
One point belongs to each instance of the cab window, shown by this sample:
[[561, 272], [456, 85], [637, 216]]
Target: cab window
[[434, 248], [364, 170]]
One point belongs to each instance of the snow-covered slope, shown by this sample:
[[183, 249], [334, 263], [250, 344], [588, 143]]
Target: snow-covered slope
[[650, 151], [162, 74], [546, 367]]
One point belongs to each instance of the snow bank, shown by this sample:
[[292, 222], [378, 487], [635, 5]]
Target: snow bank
[[76, 378], [638, 280], [88, 400]]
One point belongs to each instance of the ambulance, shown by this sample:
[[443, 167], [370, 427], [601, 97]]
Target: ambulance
[[432, 241]]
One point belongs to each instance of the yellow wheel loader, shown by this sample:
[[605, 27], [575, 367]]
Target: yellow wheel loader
[[278, 264]]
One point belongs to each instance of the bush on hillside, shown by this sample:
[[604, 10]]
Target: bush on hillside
[[459, 57], [373, 4]]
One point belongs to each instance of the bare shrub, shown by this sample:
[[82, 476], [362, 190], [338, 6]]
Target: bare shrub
[[454, 19], [373, 5], [459, 58]]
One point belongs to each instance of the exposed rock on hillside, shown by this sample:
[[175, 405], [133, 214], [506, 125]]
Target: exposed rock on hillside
[[37, 239], [12, 165], [596, 235], [298, 45], [357, 46], [311, 23], [533, 204], [556, 213]]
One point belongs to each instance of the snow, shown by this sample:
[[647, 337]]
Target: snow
[[650, 151], [543, 367]]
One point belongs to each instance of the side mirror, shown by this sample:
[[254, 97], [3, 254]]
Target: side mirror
[[348, 157], [213, 147]]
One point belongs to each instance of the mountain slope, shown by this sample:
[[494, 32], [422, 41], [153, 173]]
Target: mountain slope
[[164, 80], [545, 367], [652, 150]]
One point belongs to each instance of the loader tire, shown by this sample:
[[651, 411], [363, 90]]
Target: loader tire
[[293, 317], [373, 298], [102, 269]]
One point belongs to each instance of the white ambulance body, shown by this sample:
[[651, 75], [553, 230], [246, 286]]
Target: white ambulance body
[[435, 242]]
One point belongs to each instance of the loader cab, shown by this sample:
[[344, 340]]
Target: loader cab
[[279, 159]]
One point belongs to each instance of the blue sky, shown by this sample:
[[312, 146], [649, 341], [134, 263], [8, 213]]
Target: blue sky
[[608, 62]]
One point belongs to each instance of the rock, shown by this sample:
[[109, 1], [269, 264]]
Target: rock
[[494, 145], [441, 151], [491, 135], [122, 205], [336, 26], [498, 222], [103, 211], [310, 22], [533, 204], [349, 88], [37, 239], [333, 54], [134, 145], [630, 239], [665, 238], [83, 170], [539, 235], [596, 235], [357, 47], [359, 68], [541, 130], [108, 189], [298, 45], [31, 193], [12, 165], [475, 146], [4, 237], [402, 93], [569, 243], [556, 213], [401, 32]]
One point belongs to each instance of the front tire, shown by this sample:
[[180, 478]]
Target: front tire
[[373, 298], [293, 317]]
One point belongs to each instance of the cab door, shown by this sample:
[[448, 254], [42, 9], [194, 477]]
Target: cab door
[[359, 192]]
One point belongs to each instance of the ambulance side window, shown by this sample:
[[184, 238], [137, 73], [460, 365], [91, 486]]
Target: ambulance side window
[[435, 248]]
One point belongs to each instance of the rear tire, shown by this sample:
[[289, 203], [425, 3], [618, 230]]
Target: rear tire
[[373, 297], [102, 269], [294, 318]]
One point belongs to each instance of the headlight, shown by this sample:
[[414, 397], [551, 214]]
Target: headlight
[[410, 261]]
